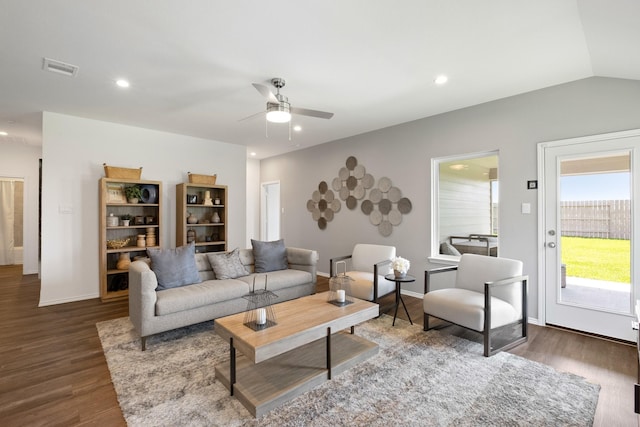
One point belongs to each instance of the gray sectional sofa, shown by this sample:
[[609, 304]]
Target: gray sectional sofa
[[153, 311]]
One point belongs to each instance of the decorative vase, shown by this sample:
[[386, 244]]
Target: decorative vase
[[216, 217], [112, 221], [399, 274], [151, 236], [191, 218], [124, 261], [141, 242], [191, 235]]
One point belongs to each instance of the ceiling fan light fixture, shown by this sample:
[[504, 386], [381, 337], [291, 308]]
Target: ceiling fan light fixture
[[278, 113]]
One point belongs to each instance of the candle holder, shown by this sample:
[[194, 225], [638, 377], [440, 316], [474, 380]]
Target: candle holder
[[260, 313], [340, 287]]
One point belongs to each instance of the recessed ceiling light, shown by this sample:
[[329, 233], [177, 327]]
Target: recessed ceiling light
[[297, 128], [122, 83], [3, 133], [441, 79], [458, 167], [253, 153]]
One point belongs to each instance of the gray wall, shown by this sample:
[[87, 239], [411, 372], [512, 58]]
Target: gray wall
[[403, 153]]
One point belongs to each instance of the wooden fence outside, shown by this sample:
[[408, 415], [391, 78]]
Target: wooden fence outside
[[608, 219]]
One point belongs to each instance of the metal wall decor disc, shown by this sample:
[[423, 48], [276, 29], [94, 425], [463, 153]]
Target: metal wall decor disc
[[343, 174], [384, 184], [336, 184], [316, 214], [375, 217], [352, 202], [322, 187], [394, 194], [375, 195], [344, 193], [322, 205], [352, 182], [311, 205], [395, 217], [367, 207], [385, 228], [368, 181], [351, 163], [384, 206], [336, 205], [404, 205], [328, 214], [316, 196], [358, 192], [322, 223], [329, 196], [359, 171]]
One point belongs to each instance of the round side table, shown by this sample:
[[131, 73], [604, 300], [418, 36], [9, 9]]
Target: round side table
[[399, 281]]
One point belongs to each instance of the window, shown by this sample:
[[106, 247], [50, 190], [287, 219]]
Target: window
[[465, 205]]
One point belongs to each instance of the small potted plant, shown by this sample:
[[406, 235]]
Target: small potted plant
[[126, 218], [133, 193]]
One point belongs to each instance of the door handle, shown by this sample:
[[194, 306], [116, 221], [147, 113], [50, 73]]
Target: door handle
[[551, 244]]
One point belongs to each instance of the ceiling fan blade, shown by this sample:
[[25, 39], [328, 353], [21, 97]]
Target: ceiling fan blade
[[266, 92], [311, 113], [252, 116]]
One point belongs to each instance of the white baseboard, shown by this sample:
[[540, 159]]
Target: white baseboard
[[66, 300]]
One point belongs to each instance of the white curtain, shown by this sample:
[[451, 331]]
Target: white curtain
[[6, 222]]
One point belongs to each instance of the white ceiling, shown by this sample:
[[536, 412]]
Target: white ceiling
[[371, 62]]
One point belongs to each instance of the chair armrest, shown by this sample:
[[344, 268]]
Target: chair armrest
[[428, 273], [504, 282], [332, 261], [375, 276], [142, 295]]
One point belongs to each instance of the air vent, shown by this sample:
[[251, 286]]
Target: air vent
[[59, 67]]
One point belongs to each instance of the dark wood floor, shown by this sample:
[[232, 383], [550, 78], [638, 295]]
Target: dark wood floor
[[53, 371]]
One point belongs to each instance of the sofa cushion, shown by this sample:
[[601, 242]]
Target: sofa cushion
[[280, 279], [174, 267], [204, 267], [227, 265], [269, 256], [199, 295]]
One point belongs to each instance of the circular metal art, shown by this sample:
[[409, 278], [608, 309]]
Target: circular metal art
[[352, 202], [311, 205], [395, 217], [394, 194], [358, 192], [368, 181], [359, 171], [336, 184], [385, 228], [367, 207], [329, 196], [328, 214], [352, 182], [375, 217], [384, 184], [375, 195], [322, 205], [404, 205], [344, 193], [316, 196], [343, 174], [384, 206], [336, 205], [351, 163], [322, 187], [316, 214], [322, 223]]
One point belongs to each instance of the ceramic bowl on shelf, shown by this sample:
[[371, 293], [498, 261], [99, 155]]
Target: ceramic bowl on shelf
[[117, 243]]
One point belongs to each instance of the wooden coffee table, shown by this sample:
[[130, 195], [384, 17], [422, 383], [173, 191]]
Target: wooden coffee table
[[304, 349]]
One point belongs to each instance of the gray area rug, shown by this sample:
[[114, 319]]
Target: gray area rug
[[417, 379]]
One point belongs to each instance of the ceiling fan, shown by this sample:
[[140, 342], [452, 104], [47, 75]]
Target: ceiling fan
[[279, 109]]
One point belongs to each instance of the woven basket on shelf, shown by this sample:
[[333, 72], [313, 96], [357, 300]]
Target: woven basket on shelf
[[202, 179], [122, 173]]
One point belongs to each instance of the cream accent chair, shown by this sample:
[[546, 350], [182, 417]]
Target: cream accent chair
[[489, 293], [369, 264]]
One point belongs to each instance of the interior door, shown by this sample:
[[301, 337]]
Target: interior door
[[590, 191], [270, 211]]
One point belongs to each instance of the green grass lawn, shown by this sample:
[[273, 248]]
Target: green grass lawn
[[600, 259]]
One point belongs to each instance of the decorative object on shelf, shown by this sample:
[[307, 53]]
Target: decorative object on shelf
[[260, 314], [202, 179], [216, 201], [149, 194], [400, 267], [149, 219], [124, 261], [191, 235], [151, 236], [118, 172], [207, 199], [191, 218], [112, 220], [115, 193], [192, 199], [117, 243], [138, 220], [215, 237], [126, 219], [215, 218], [141, 242], [133, 193], [340, 287]]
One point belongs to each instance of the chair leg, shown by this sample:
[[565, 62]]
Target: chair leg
[[143, 342], [426, 322]]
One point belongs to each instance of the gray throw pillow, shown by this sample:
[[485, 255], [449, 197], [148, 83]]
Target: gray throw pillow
[[227, 265], [447, 248], [269, 256], [174, 267]]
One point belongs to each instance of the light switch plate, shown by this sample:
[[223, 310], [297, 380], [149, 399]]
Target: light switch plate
[[526, 208]]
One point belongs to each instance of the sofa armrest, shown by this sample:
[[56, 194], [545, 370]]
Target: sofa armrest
[[142, 295], [303, 259]]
